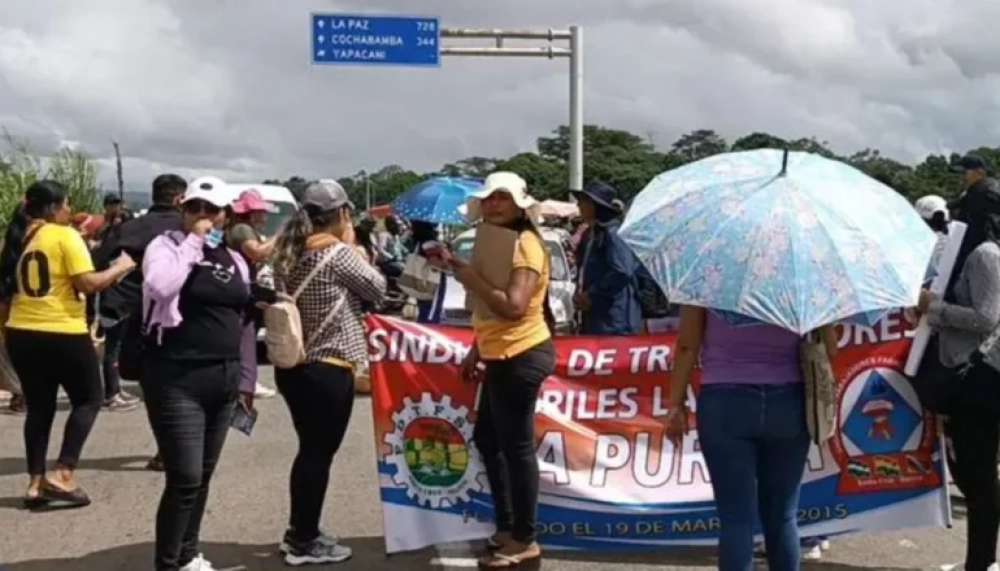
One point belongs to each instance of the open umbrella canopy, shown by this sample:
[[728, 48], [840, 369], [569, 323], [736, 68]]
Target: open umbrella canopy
[[436, 200], [787, 238]]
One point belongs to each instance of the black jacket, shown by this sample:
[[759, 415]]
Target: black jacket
[[132, 237]]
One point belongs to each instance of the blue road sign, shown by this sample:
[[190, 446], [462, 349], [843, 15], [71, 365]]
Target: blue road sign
[[339, 39]]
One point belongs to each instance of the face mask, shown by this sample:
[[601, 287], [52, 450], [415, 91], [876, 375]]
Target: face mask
[[214, 238]]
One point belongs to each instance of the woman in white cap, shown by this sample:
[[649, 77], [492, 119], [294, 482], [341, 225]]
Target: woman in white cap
[[195, 294], [315, 254], [514, 343], [934, 210]]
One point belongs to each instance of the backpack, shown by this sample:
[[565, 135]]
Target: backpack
[[284, 337]]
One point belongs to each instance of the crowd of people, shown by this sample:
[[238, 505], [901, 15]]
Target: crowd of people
[[180, 307]]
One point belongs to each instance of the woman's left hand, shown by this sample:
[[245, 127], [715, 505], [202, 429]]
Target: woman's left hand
[[246, 401], [926, 297]]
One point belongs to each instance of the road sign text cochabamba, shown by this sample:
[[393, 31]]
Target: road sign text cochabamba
[[375, 40]]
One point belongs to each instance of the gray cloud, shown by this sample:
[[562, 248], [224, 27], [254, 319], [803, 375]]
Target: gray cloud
[[226, 86]]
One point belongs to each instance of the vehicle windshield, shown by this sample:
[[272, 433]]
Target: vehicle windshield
[[560, 269], [275, 220]]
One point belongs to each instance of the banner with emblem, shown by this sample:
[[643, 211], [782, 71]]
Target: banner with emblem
[[610, 480]]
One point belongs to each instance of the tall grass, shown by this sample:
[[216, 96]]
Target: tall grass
[[21, 165]]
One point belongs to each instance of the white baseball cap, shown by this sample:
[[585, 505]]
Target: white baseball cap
[[928, 206], [211, 189], [508, 182]]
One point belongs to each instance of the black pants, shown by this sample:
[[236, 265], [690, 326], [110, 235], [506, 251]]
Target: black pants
[[320, 398], [44, 362], [505, 436], [109, 364], [973, 429], [190, 405]]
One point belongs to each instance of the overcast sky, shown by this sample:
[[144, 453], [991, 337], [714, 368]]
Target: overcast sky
[[226, 87]]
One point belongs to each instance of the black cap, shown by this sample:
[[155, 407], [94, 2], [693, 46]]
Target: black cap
[[112, 198], [968, 163]]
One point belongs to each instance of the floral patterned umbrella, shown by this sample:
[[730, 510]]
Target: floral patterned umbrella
[[787, 238]]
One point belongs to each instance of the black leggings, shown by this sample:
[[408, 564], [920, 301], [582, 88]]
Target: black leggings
[[505, 436], [320, 398], [190, 405], [44, 362], [973, 431]]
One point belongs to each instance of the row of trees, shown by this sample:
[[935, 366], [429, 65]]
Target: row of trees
[[629, 161]]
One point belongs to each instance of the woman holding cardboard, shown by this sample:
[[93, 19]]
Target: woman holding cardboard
[[514, 345]]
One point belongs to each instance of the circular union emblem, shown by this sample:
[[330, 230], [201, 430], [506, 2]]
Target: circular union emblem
[[431, 448]]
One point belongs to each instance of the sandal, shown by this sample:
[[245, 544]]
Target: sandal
[[34, 501], [76, 497], [500, 560]]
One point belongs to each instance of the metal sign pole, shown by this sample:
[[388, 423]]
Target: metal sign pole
[[574, 35]]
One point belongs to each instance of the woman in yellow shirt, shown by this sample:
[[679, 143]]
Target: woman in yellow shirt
[[514, 343], [46, 272]]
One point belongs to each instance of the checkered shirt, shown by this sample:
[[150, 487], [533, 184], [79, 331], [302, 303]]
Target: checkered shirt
[[347, 274]]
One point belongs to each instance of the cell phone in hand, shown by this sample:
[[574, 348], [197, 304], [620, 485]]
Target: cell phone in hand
[[242, 420]]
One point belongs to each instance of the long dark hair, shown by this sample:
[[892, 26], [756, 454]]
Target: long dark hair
[[979, 208], [291, 242], [40, 202], [363, 236]]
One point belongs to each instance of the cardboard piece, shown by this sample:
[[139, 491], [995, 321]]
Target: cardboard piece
[[493, 259]]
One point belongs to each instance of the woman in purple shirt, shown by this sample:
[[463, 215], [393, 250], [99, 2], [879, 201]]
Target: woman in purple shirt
[[751, 429]]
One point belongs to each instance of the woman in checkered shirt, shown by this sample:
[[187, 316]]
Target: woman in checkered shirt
[[320, 392]]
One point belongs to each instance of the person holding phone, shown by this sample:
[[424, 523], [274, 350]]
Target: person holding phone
[[46, 272], [317, 248], [512, 355], [195, 295]]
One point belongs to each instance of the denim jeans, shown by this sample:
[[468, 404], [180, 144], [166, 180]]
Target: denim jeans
[[755, 443], [505, 436], [109, 364], [190, 405]]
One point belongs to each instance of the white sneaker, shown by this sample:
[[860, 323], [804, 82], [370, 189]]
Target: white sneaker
[[825, 544], [961, 567], [199, 563], [814, 553], [263, 392]]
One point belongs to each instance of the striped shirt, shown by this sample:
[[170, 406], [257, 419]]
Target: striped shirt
[[967, 325], [347, 274]]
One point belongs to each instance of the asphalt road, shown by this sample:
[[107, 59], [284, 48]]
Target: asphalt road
[[247, 511]]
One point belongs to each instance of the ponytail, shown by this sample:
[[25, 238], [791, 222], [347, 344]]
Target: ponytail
[[291, 243], [10, 253]]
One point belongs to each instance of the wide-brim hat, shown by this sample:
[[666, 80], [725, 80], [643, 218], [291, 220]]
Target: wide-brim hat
[[509, 183], [251, 201], [601, 193]]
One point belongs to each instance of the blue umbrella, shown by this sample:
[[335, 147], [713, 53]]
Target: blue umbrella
[[791, 239], [436, 200]]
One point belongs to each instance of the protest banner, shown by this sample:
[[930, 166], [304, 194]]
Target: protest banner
[[610, 480]]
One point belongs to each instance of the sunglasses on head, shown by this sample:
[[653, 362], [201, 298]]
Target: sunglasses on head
[[195, 207]]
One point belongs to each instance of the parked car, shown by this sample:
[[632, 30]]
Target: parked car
[[562, 284]]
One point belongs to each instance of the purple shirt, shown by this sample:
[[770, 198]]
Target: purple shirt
[[759, 354]]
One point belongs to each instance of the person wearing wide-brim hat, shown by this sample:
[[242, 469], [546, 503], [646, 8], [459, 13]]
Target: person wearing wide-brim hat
[[606, 293], [513, 343]]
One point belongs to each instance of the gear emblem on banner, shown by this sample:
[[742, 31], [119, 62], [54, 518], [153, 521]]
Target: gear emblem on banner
[[433, 452]]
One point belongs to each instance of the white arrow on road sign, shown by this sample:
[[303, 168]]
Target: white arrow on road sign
[[320, 23], [320, 39], [321, 53]]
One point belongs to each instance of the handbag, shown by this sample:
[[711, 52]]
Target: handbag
[[419, 280], [935, 384], [820, 388]]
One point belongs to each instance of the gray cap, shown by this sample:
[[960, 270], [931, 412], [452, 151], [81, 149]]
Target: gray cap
[[326, 195]]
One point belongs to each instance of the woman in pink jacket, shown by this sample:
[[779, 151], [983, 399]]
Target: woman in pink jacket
[[195, 294]]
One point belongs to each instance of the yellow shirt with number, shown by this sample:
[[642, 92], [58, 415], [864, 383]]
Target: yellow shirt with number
[[46, 299], [498, 338]]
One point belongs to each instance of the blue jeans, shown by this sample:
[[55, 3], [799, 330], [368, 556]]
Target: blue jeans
[[755, 443]]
